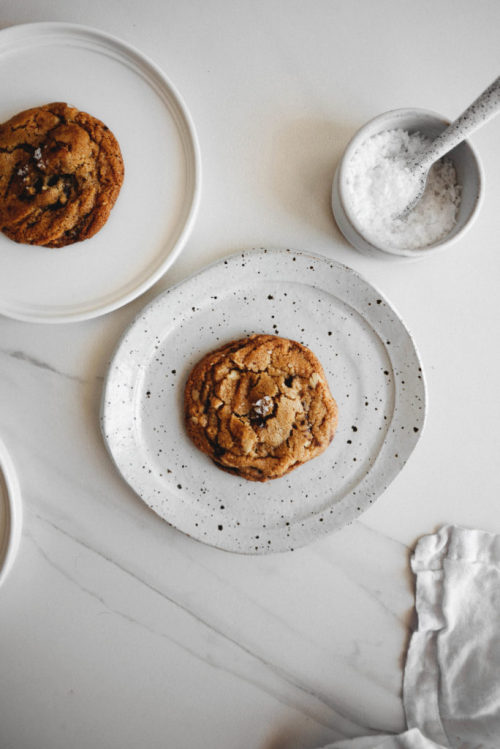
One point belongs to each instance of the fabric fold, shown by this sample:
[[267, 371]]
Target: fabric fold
[[452, 673], [451, 684], [412, 739]]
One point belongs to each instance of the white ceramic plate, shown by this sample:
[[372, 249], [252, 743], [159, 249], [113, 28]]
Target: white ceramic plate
[[150, 222], [10, 513], [372, 367]]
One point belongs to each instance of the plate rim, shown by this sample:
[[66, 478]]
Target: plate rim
[[194, 164], [12, 534], [325, 530]]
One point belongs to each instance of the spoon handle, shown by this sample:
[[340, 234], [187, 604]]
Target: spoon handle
[[486, 106]]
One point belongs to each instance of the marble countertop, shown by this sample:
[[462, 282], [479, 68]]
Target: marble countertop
[[116, 630]]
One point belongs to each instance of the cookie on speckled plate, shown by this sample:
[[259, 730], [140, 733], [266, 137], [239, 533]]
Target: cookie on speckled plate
[[60, 174], [260, 407]]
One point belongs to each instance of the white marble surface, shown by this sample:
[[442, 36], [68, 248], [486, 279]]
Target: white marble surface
[[117, 631]]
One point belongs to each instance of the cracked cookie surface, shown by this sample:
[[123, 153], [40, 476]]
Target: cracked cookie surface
[[260, 407], [60, 174]]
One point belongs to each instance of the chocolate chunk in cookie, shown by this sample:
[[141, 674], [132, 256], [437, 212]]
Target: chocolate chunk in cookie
[[260, 407], [60, 174]]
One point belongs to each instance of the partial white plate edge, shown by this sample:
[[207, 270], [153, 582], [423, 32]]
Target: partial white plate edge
[[391, 474], [59, 27], [10, 543]]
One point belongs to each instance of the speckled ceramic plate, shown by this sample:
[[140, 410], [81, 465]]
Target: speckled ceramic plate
[[372, 367], [10, 513], [156, 207]]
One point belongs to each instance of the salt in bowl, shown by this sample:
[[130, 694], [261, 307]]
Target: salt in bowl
[[469, 175]]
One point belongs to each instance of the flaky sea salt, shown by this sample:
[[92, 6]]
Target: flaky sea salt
[[37, 155], [263, 406], [379, 185]]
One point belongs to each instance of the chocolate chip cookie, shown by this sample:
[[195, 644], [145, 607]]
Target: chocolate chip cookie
[[260, 407], [60, 174]]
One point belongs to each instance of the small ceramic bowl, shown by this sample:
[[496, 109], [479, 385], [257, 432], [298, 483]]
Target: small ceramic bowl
[[469, 175], [10, 513]]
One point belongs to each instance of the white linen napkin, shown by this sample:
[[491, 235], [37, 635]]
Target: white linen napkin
[[451, 689], [411, 739]]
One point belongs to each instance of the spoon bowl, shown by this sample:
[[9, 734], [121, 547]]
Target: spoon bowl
[[464, 157], [420, 174]]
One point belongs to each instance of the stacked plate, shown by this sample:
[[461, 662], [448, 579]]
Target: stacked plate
[[156, 208], [10, 513]]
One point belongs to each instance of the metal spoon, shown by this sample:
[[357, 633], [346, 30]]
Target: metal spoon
[[486, 106]]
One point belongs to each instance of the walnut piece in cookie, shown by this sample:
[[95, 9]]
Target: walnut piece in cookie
[[260, 407], [60, 174]]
